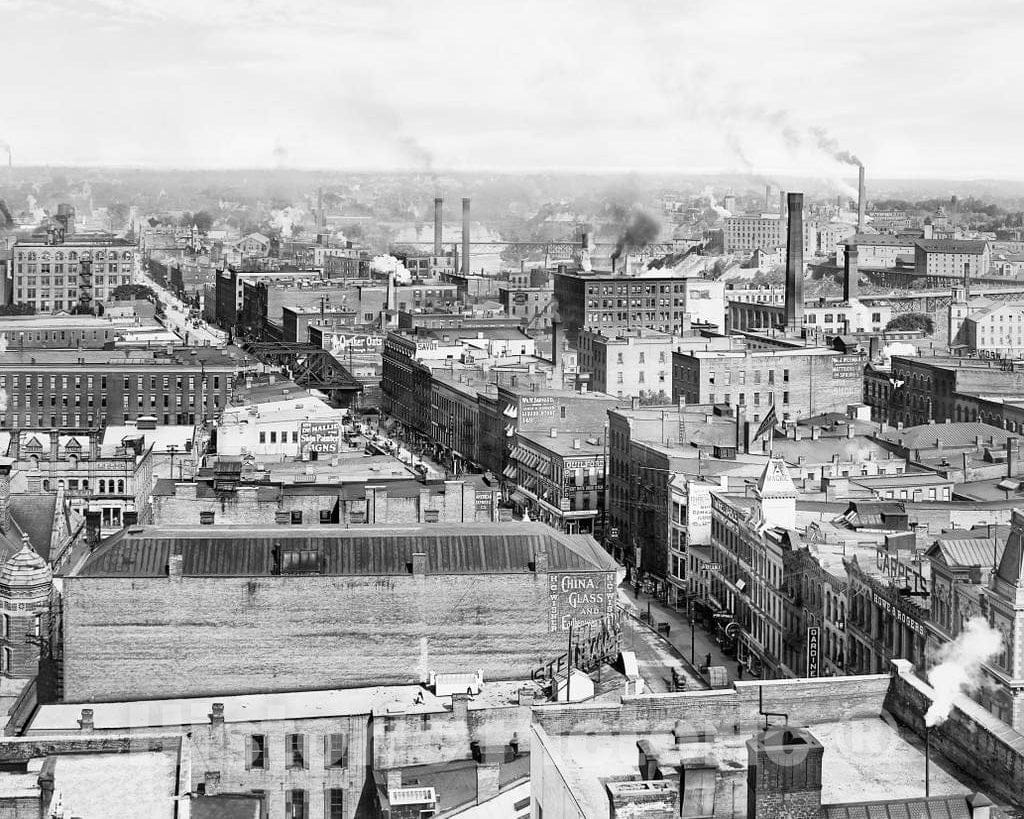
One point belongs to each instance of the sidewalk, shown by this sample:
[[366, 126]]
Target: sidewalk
[[679, 630]]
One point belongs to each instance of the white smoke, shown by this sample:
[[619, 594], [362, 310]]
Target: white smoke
[[959, 668], [38, 214], [898, 348], [284, 220], [709, 195], [389, 264]]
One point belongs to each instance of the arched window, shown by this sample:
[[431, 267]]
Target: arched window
[[6, 660], [73, 256], [73, 461], [102, 486], [5, 626], [120, 487]]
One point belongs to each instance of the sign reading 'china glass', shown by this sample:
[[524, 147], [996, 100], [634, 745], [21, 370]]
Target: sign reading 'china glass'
[[579, 599]]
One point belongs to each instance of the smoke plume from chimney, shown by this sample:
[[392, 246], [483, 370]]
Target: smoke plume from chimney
[[639, 229], [959, 668]]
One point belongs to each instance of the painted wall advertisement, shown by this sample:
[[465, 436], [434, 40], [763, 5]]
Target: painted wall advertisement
[[535, 408], [579, 599], [847, 366], [320, 437]]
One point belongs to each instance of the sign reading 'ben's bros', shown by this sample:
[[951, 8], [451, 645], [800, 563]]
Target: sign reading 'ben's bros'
[[579, 599]]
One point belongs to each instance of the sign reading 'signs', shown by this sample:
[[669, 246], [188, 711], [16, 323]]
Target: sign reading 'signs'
[[320, 437], [579, 599]]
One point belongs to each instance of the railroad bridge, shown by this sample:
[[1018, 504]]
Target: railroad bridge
[[309, 366]]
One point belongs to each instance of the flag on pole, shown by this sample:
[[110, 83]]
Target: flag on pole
[[767, 424]]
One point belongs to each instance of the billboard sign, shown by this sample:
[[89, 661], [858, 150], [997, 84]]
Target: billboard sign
[[579, 599], [320, 437]]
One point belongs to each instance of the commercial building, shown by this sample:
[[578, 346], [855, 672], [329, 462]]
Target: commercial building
[[747, 233], [993, 328], [302, 426], [314, 598], [607, 303], [48, 272], [878, 251], [54, 332], [560, 479], [918, 390], [634, 362], [87, 388], [764, 372]]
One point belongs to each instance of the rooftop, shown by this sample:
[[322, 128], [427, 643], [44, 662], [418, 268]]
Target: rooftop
[[242, 551], [971, 246], [230, 358], [865, 760], [958, 434]]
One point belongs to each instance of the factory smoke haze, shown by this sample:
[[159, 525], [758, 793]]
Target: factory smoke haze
[[959, 667], [639, 230]]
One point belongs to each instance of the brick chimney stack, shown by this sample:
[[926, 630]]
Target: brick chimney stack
[[784, 774]]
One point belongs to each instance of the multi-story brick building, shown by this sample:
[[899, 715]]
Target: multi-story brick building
[[49, 274], [314, 598], [764, 372], [634, 362], [747, 233], [607, 303], [40, 332], [560, 479], [961, 259], [876, 250], [88, 388]]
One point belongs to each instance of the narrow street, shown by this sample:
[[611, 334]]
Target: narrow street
[[679, 631]]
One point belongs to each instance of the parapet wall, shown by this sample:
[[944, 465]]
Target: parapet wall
[[735, 710], [971, 737]]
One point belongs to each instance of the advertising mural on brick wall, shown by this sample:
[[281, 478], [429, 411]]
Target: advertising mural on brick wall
[[579, 599]]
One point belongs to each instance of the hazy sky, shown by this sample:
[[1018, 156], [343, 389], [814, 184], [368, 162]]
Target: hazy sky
[[913, 88]]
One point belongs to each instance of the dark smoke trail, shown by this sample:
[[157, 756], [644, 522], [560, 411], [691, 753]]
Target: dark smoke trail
[[640, 230], [830, 145]]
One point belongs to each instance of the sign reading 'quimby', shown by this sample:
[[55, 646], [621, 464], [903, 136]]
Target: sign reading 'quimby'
[[579, 599], [320, 437]]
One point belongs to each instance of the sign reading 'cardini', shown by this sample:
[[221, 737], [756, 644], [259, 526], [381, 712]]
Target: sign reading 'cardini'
[[578, 599]]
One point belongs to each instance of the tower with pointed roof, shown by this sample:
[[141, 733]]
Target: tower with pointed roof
[[1005, 613], [25, 584], [776, 494]]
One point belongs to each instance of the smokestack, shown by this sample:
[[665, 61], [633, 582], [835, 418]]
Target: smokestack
[[767, 197], [438, 206], [795, 263], [851, 275], [556, 321], [861, 200], [465, 235], [782, 204]]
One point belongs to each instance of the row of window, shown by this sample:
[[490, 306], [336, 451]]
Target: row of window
[[72, 255]]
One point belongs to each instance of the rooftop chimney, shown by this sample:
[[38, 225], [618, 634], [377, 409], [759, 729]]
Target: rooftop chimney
[[851, 274], [861, 200], [465, 235], [784, 774], [795, 263], [438, 206]]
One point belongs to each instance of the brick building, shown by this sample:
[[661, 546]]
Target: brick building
[[634, 362], [403, 600], [606, 303], [48, 272], [952, 258], [86, 388], [217, 499], [798, 381], [560, 479]]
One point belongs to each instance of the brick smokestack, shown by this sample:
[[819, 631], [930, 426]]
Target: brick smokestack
[[861, 200], [795, 263], [556, 322], [465, 235], [767, 197], [438, 207], [851, 275]]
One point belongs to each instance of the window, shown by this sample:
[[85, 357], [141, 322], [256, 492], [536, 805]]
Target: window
[[295, 750], [257, 753], [336, 751], [296, 517], [273, 436], [295, 806], [206, 518], [325, 515], [334, 799]]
